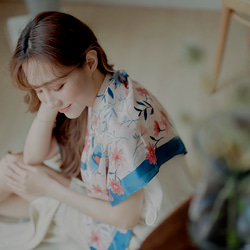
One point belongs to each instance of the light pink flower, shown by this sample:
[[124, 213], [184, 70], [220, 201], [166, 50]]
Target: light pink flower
[[87, 133], [166, 123], [89, 191], [116, 187], [142, 91], [151, 153], [156, 128], [95, 238], [110, 197], [143, 129], [86, 146], [117, 157], [95, 120], [97, 188]]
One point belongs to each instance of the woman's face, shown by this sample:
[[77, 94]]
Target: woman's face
[[68, 90]]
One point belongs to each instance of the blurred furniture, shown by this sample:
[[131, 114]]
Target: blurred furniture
[[171, 233], [240, 10]]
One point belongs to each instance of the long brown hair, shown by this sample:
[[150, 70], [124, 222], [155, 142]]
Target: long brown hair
[[60, 40]]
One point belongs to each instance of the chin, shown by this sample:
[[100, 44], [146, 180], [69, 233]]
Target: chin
[[73, 115]]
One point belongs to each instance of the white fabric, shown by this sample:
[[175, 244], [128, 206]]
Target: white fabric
[[52, 225], [162, 197]]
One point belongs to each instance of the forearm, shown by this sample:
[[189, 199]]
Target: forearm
[[124, 215], [65, 181], [39, 141]]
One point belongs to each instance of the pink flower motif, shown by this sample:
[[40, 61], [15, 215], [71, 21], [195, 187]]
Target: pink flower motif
[[89, 191], [86, 146], [142, 91], [151, 153], [117, 125], [143, 129], [97, 188], [156, 128], [117, 157], [87, 133], [166, 123], [105, 192], [95, 120], [110, 197], [116, 187], [95, 238]]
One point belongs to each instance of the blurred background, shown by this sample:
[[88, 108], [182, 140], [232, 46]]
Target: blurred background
[[169, 46]]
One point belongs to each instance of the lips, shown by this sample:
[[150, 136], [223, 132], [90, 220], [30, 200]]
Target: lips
[[64, 110]]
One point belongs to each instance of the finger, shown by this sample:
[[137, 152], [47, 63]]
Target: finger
[[9, 172], [17, 169], [20, 190], [26, 167], [14, 185], [10, 175], [20, 177]]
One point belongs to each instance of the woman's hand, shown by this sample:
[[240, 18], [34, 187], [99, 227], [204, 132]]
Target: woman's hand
[[24, 179], [46, 113], [4, 162], [5, 190]]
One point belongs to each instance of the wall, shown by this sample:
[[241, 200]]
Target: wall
[[188, 4]]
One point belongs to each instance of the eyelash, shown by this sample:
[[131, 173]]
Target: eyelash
[[60, 87]]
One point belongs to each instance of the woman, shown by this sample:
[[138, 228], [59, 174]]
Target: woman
[[111, 133]]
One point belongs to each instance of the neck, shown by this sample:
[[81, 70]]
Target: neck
[[98, 78]]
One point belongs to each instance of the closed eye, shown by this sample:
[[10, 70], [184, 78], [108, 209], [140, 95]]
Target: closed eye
[[58, 88]]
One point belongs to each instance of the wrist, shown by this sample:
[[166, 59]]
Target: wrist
[[44, 120], [46, 114], [52, 188], [55, 190]]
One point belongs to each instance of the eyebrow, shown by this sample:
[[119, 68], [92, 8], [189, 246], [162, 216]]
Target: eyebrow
[[53, 80]]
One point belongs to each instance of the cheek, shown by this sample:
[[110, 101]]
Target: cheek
[[70, 95], [74, 93]]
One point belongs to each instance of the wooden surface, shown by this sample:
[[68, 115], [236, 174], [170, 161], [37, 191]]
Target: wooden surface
[[171, 233], [230, 7]]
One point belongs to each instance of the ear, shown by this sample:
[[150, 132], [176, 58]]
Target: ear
[[92, 60]]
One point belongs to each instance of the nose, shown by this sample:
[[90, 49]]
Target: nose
[[52, 101]]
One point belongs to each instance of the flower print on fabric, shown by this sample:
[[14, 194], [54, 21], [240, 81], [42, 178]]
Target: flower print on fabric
[[120, 80], [94, 161], [130, 135], [142, 91], [101, 236], [118, 157], [151, 154], [95, 239], [166, 122], [116, 187]]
